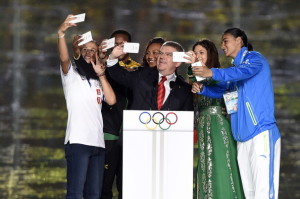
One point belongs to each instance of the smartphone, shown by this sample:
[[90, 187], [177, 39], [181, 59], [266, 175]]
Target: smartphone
[[179, 57], [198, 78], [130, 47]]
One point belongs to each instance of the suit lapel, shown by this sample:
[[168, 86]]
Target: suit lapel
[[154, 89]]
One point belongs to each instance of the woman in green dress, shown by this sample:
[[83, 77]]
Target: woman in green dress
[[217, 170]]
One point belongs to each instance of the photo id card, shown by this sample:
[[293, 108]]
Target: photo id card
[[87, 37], [78, 18], [179, 57], [131, 47], [110, 43], [231, 101], [198, 78]]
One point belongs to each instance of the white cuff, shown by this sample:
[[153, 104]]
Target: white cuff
[[111, 62]]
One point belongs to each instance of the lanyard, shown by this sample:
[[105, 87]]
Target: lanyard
[[231, 98]]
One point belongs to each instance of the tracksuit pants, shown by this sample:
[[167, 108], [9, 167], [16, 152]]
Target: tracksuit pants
[[259, 163]]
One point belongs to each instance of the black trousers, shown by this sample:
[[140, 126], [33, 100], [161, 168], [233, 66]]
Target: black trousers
[[112, 169]]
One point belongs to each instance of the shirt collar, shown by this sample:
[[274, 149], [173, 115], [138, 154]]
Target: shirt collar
[[238, 59], [171, 77]]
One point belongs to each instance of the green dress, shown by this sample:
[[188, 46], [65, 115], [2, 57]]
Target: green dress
[[217, 175]]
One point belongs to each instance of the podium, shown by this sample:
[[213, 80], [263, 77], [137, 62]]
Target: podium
[[158, 154]]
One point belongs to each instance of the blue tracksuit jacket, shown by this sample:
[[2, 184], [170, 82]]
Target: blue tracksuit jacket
[[251, 76]]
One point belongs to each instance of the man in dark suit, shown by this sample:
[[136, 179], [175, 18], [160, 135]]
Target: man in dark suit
[[145, 81]]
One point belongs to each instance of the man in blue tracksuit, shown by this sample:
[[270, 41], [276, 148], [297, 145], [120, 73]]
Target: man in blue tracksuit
[[253, 123]]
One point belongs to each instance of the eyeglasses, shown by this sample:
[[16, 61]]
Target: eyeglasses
[[86, 50], [168, 54]]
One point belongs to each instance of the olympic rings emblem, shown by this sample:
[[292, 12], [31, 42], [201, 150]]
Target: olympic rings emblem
[[158, 119]]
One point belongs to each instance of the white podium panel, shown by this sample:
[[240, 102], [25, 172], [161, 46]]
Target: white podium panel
[[158, 154]]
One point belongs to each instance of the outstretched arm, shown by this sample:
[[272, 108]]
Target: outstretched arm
[[119, 74], [62, 44], [202, 71], [215, 91]]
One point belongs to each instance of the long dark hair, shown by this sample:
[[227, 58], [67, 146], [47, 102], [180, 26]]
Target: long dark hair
[[236, 32], [155, 40], [212, 53]]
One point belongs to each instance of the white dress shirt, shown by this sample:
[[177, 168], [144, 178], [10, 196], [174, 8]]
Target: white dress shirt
[[170, 78]]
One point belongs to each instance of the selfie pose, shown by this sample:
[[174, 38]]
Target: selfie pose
[[154, 88], [253, 123], [84, 89], [217, 156]]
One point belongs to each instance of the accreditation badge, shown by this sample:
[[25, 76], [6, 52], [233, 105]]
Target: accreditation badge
[[231, 101]]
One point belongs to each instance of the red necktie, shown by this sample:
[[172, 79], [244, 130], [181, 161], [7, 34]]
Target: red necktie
[[161, 92]]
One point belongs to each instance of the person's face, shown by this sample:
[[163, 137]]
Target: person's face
[[201, 53], [231, 45], [152, 54], [165, 64], [88, 51], [119, 39]]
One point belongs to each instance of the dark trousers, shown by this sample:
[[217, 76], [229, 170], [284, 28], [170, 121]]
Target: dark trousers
[[112, 169], [84, 171]]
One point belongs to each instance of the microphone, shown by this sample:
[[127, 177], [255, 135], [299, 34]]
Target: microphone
[[172, 85]]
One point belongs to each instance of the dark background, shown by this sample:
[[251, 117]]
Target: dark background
[[32, 107]]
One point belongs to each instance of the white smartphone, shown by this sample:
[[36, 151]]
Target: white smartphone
[[110, 43], [198, 63], [179, 57], [130, 47], [78, 18], [87, 37], [198, 78]]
